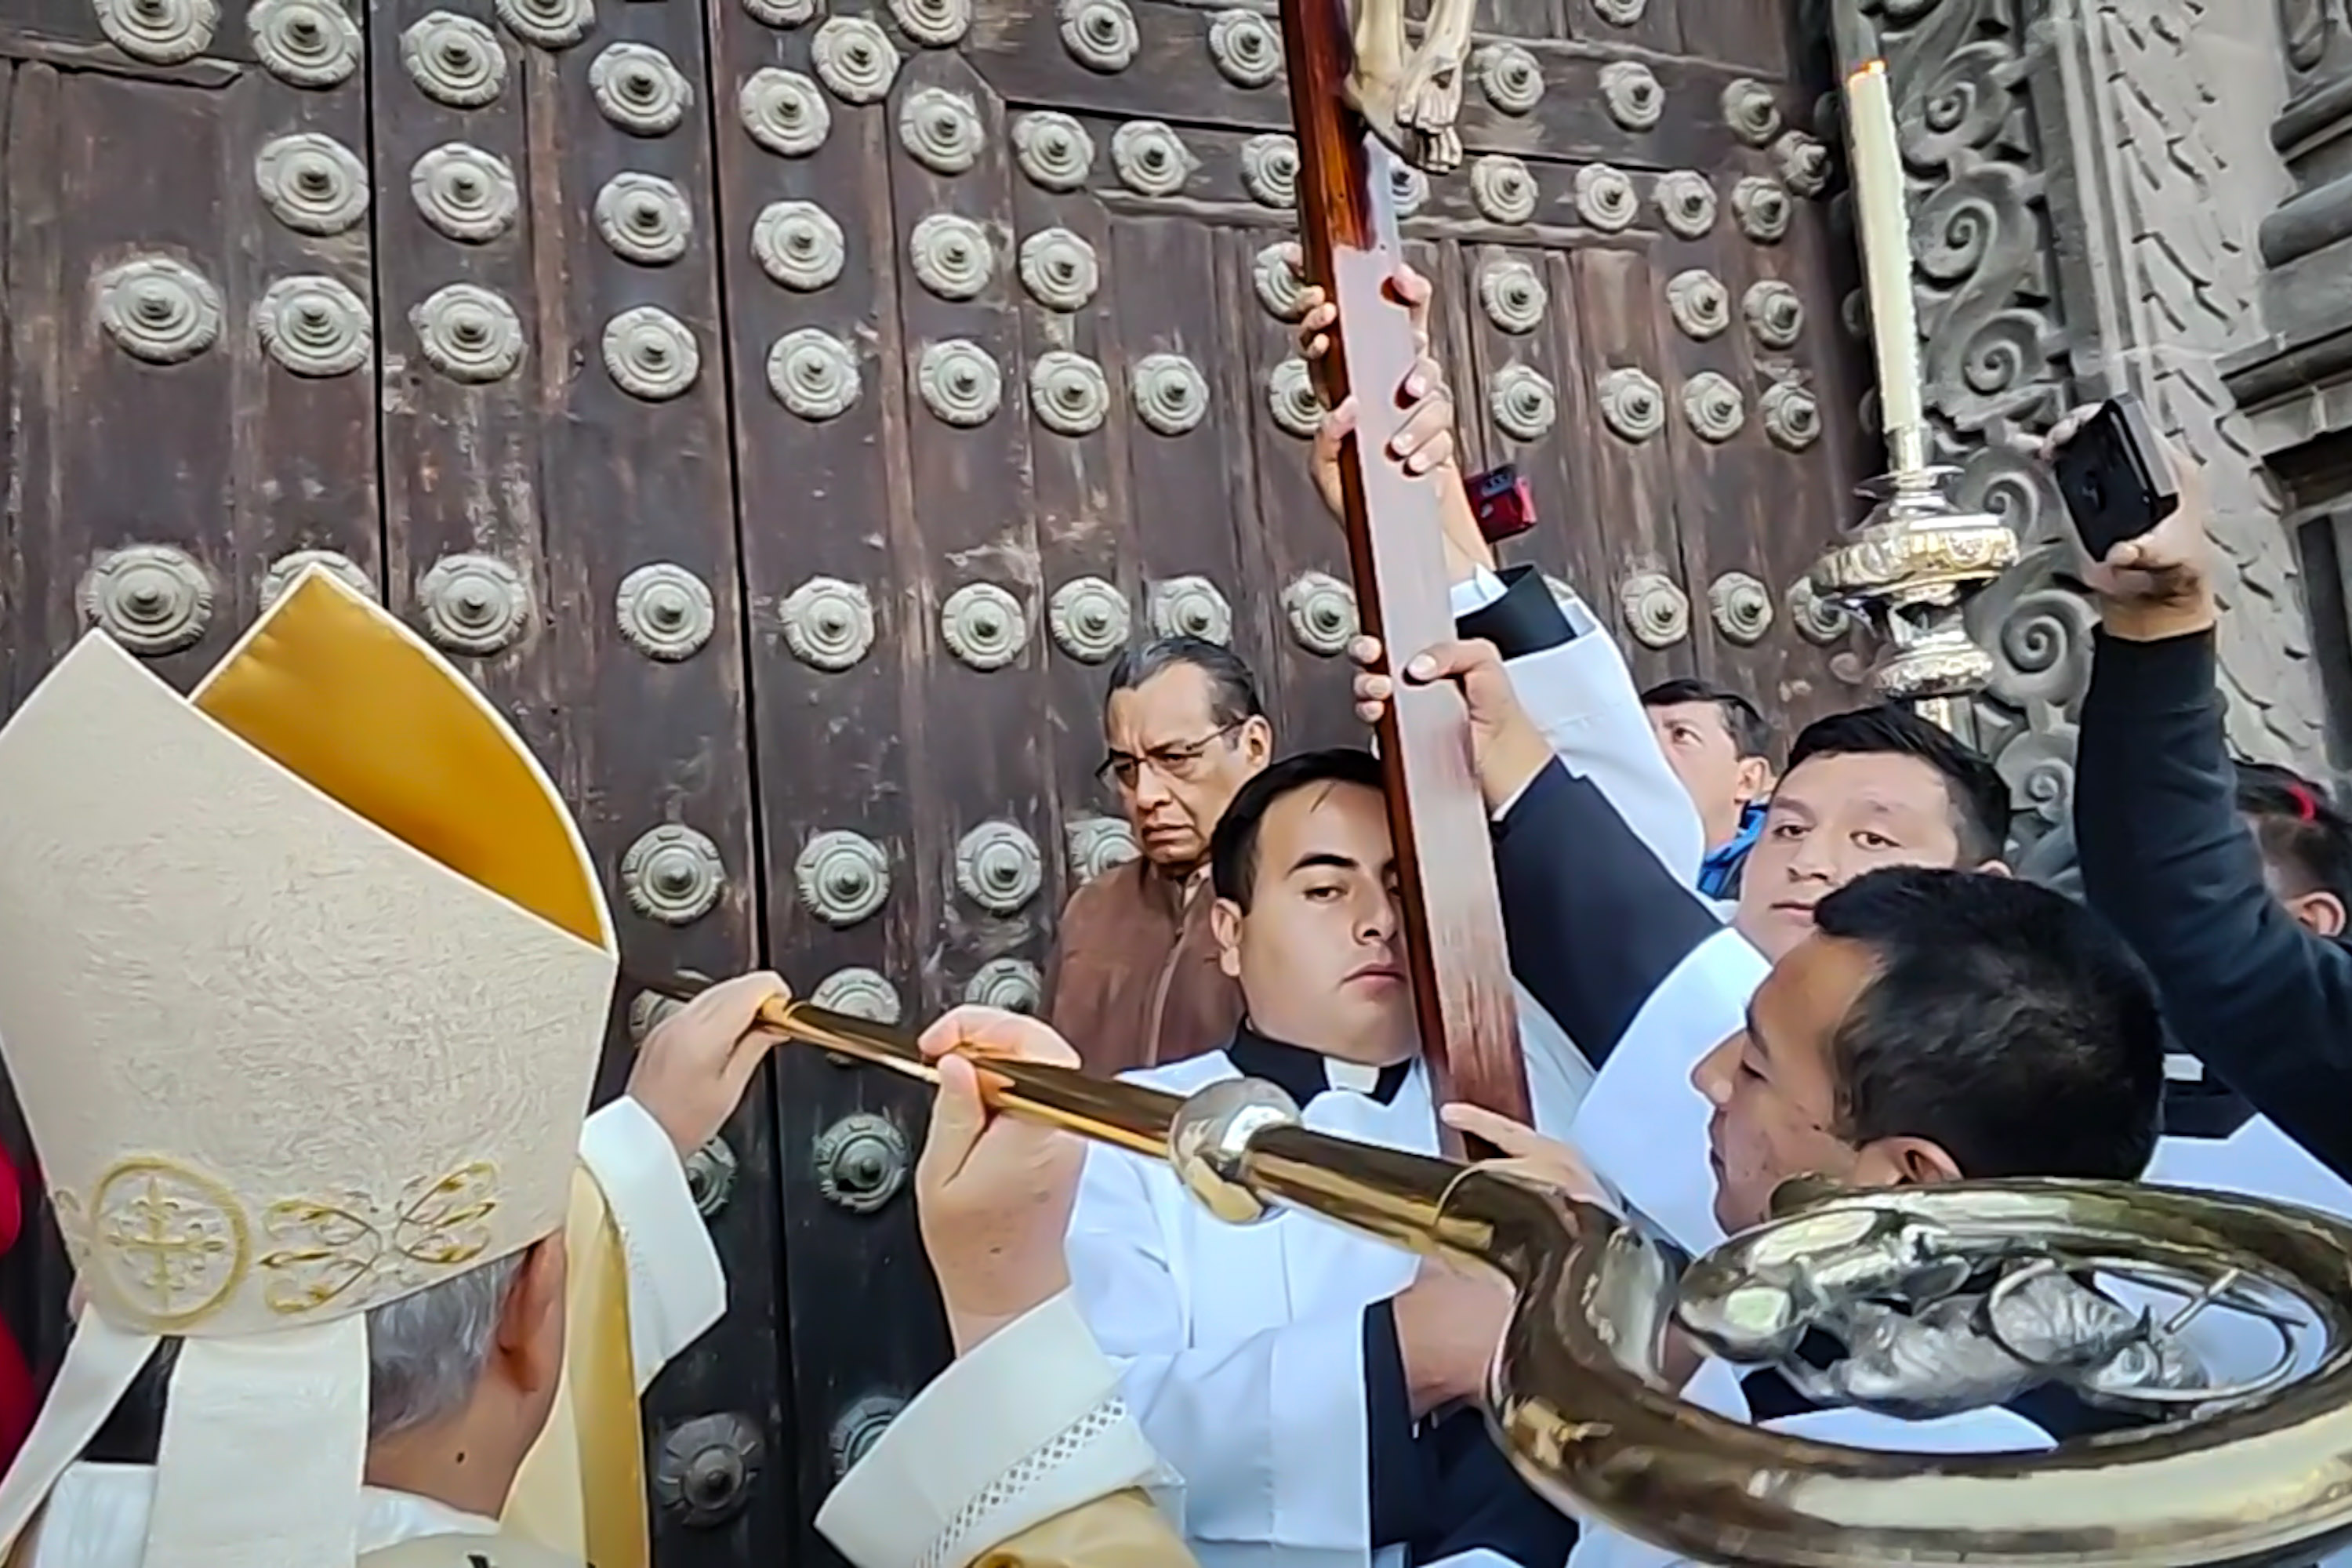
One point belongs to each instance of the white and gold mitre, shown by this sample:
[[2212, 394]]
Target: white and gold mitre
[[303, 980]]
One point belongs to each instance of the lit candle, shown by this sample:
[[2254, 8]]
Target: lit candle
[[1885, 229]]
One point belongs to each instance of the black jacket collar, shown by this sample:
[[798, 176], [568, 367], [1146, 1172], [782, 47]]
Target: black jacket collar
[[1298, 1072]]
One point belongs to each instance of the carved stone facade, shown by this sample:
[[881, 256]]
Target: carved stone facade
[[2088, 177]]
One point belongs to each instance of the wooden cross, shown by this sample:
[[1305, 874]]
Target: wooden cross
[[1461, 971]]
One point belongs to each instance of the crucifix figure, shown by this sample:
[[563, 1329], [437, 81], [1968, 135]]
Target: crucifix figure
[[1354, 94], [1411, 97]]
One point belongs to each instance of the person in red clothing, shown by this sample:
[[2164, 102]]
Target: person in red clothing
[[19, 1400]]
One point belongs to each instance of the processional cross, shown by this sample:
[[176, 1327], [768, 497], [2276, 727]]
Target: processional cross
[[1359, 97]]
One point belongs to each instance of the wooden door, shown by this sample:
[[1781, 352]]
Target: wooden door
[[785, 411]]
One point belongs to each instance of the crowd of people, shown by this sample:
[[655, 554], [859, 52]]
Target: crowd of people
[[303, 1011]]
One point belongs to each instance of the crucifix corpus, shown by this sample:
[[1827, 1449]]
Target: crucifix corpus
[[1357, 97]]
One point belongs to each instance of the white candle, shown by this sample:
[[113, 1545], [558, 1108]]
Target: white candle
[[1884, 230]]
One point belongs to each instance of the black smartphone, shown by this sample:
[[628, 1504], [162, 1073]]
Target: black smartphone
[[2115, 478]]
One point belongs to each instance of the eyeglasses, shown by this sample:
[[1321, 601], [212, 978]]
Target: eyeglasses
[[1179, 760]]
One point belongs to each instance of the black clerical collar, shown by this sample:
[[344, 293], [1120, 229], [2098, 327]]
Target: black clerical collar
[[1303, 1074]]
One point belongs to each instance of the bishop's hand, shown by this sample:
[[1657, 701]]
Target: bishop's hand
[[1505, 744], [993, 1192], [693, 1070]]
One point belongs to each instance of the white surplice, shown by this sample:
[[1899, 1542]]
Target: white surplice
[[97, 1517]]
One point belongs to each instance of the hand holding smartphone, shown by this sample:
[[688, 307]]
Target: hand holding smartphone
[[2114, 477]]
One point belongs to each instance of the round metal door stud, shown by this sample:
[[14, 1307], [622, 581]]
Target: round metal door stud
[[780, 13], [854, 58], [550, 24], [842, 876], [998, 867], [1070, 392], [474, 604], [1171, 395], [309, 43], [1656, 611], [1096, 844], [951, 256], [1605, 198], [864, 993], [464, 193], [1059, 269], [1776, 315], [1100, 33], [664, 611], [799, 246], [651, 354], [1089, 619], [1011, 984], [313, 326], [1503, 188], [1150, 158], [158, 310], [933, 23], [1699, 303], [468, 333], [1763, 209], [1279, 283], [1751, 111], [648, 1012], [1523, 402], [1246, 47], [161, 32], [1630, 91], [861, 1162], [783, 111], [960, 383], [1803, 162], [1291, 398], [1818, 620], [858, 1429], [1053, 149], [311, 184], [1685, 203], [454, 59], [1791, 417], [710, 1176], [1321, 611], [1742, 607], [1190, 607], [1512, 79], [644, 218], [941, 131], [1513, 294], [814, 373], [154, 599], [707, 1466], [1713, 406], [1270, 170], [828, 624], [294, 563], [984, 625], [638, 88], [673, 874], [1632, 404]]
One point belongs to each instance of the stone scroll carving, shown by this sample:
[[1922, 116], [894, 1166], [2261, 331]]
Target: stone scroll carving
[[159, 309], [309, 43], [828, 623], [454, 59], [997, 867], [673, 874], [474, 604], [842, 876], [665, 612], [311, 184], [1089, 619], [154, 599], [314, 325]]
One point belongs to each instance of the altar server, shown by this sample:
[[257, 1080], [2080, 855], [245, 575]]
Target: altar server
[[303, 981]]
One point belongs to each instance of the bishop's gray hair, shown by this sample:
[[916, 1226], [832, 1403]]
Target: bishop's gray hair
[[426, 1352]]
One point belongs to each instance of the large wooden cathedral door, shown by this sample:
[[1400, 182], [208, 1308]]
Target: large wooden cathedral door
[[784, 409]]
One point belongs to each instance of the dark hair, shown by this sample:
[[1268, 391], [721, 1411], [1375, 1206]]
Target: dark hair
[[1980, 796], [1750, 736], [2299, 829], [1232, 685], [1233, 848], [2005, 1022]]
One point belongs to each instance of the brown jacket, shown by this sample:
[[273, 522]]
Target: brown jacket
[[1134, 978]]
